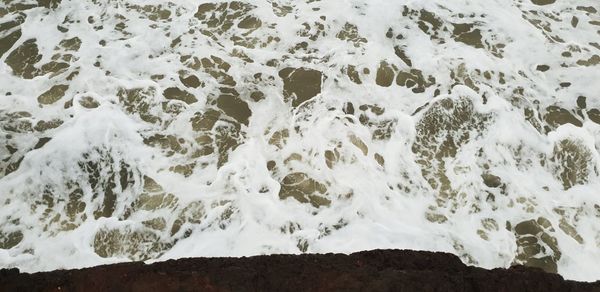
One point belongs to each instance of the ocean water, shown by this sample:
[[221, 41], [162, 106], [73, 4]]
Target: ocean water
[[152, 130]]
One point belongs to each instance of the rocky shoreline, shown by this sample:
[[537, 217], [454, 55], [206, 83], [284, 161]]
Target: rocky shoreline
[[377, 270]]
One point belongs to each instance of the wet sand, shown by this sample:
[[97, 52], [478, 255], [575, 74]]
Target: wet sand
[[378, 270]]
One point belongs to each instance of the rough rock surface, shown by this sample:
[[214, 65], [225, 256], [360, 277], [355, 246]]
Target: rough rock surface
[[378, 270]]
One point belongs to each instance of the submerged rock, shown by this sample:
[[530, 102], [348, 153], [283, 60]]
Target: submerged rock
[[179, 94], [23, 59], [542, 2], [535, 246], [133, 244], [304, 189], [385, 75], [573, 163], [300, 84], [54, 94]]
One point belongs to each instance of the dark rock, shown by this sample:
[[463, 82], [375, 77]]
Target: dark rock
[[378, 270]]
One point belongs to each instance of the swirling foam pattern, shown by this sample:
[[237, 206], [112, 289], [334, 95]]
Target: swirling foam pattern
[[150, 130]]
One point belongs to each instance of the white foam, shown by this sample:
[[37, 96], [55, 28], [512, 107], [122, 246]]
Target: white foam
[[387, 205]]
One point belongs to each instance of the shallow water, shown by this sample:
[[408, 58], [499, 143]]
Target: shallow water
[[150, 130]]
